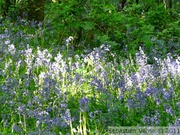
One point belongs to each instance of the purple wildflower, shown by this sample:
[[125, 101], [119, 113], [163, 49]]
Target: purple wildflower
[[177, 122], [151, 120], [16, 129], [67, 116], [84, 104], [178, 105], [167, 96], [168, 109], [149, 91]]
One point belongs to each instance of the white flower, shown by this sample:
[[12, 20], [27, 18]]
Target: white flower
[[8, 64], [68, 40], [43, 57], [29, 59], [37, 123], [42, 75], [58, 58], [28, 52], [11, 49], [7, 42], [141, 58]]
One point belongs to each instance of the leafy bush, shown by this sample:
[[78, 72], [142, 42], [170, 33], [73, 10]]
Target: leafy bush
[[101, 22]]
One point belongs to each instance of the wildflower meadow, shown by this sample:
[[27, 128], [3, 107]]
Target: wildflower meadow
[[51, 94], [64, 88]]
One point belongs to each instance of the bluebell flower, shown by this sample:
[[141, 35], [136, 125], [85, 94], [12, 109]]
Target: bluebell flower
[[21, 108], [121, 84], [91, 115], [83, 104], [7, 42], [178, 105], [168, 109], [11, 49], [43, 58], [16, 129], [130, 104], [167, 95], [157, 101], [58, 92], [136, 79], [150, 91], [66, 116], [63, 105], [151, 120], [68, 40], [177, 122], [141, 58]]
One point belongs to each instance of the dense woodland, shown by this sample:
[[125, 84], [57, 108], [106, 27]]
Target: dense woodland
[[81, 66]]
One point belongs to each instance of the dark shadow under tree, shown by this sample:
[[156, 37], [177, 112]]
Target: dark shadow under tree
[[36, 10]]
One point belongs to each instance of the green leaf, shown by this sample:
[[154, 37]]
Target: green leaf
[[103, 38], [146, 39], [81, 70], [88, 25], [76, 24], [112, 43]]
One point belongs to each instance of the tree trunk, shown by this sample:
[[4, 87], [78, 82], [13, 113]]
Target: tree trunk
[[170, 7], [123, 3], [36, 10], [137, 1]]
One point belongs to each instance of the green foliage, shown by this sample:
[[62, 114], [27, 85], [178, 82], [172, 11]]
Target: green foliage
[[99, 22], [158, 17], [96, 22]]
